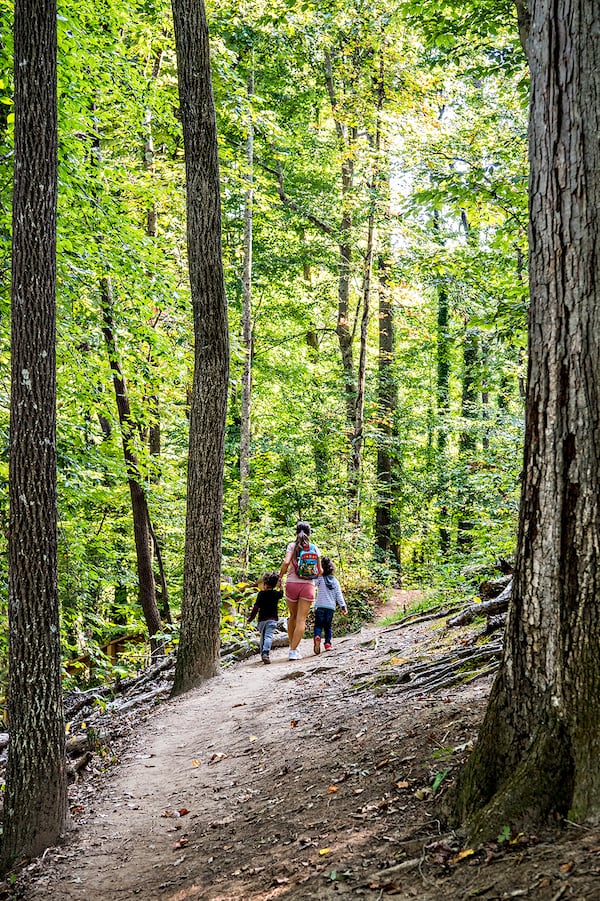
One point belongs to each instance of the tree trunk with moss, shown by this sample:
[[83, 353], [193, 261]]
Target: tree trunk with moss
[[537, 753]]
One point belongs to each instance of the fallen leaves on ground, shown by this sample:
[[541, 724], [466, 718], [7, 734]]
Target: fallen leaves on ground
[[217, 757]]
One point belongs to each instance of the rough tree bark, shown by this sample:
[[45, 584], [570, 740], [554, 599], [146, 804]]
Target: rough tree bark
[[198, 654], [537, 754], [35, 806]]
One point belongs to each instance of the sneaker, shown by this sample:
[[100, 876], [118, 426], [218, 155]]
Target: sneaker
[[327, 646], [265, 658], [294, 655], [317, 644]]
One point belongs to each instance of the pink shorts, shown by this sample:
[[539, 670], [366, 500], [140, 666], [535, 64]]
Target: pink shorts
[[296, 590]]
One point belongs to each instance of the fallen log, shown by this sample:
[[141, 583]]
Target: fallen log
[[492, 588], [487, 608], [494, 623]]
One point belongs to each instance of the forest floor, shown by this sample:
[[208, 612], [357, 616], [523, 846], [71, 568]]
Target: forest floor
[[300, 780]]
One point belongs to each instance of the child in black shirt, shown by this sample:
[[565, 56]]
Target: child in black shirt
[[266, 607]]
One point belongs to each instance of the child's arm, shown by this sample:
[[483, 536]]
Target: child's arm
[[339, 597], [254, 611]]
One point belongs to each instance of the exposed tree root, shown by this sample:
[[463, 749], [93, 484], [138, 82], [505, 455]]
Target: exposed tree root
[[537, 790], [412, 619], [459, 667]]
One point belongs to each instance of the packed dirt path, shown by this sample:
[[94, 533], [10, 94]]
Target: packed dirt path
[[298, 780]]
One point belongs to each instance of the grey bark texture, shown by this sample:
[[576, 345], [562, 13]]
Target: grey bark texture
[[537, 754], [198, 653], [35, 807]]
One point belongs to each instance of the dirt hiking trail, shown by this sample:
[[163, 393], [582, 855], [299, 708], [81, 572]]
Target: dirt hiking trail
[[300, 780]]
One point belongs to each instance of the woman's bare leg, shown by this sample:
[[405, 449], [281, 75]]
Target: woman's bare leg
[[291, 623], [303, 606]]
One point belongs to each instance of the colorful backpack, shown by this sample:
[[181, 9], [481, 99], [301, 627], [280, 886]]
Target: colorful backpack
[[307, 566]]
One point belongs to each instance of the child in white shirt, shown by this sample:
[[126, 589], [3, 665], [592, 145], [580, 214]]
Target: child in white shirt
[[329, 595]]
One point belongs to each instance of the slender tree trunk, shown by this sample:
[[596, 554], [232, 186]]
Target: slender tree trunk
[[387, 390], [359, 416], [139, 504], [376, 182], [467, 444], [247, 343], [485, 397], [347, 140], [154, 430], [343, 328], [198, 654], [35, 805], [388, 404], [154, 436], [443, 415], [537, 753], [164, 604], [443, 402]]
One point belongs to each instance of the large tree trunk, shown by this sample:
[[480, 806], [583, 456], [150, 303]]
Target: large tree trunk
[[198, 654], [537, 753], [35, 806]]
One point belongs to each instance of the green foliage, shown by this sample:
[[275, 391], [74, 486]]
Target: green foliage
[[361, 600], [453, 144], [438, 779], [236, 603], [504, 835]]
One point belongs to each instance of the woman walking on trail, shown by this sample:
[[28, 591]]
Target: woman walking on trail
[[302, 563]]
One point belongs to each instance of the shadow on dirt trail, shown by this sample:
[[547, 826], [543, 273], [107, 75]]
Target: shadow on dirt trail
[[299, 780]]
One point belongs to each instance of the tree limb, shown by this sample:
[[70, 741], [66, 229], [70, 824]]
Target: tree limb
[[292, 204]]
